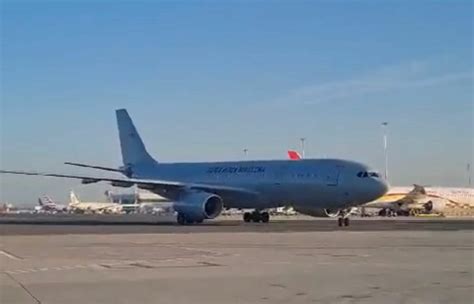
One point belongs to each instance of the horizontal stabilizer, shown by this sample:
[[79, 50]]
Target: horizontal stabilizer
[[94, 167], [125, 171]]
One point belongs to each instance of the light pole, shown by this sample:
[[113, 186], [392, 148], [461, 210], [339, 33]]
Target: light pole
[[302, 139], [468, 168], [246, 151], [385, 146]]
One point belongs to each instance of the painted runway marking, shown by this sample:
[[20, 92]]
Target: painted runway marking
[[10, 255], [177, 262]]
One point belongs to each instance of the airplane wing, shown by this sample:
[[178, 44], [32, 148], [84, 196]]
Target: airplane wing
[[147, 184]]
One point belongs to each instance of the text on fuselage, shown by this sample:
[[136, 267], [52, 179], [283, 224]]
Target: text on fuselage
[[245, 169]]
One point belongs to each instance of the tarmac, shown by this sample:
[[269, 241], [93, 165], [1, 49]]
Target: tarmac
[[225, 261]]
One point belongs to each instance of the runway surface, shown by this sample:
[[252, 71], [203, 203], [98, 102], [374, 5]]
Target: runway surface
[[323, 264], [66, 224]]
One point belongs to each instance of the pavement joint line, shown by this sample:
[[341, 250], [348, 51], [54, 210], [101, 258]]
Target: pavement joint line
[[10, 255], [24, 288], [10, 272]]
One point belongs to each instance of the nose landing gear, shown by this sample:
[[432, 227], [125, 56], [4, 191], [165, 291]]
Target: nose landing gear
[[256, 216]]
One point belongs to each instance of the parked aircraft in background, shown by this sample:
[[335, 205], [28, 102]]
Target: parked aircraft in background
[[75, 205], [6, 208], [46, 204], [420, 199], [200, 191], [412, 201]]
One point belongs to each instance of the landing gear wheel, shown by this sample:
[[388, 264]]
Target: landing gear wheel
[[340, 221], [346, 221], [256, 218]]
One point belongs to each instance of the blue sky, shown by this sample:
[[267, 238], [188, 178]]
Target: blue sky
[[204, 79]]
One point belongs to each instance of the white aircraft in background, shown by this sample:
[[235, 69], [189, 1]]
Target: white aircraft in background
[[420, 199], [46, 204], [200, 191], [75, 205]]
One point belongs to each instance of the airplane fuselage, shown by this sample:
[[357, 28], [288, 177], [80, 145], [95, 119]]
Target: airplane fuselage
[[328, 183]]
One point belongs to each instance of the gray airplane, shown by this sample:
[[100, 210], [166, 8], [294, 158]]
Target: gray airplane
[[201, 190]]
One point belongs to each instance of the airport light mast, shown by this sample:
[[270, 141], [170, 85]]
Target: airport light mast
[[385, 146], [246, 151], [302, 139], [468, 169]]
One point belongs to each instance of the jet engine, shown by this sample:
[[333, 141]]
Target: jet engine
[[318, 212], [198, 206], [435, 205]]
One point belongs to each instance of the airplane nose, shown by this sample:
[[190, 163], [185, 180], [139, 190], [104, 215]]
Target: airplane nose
[[381, 188]]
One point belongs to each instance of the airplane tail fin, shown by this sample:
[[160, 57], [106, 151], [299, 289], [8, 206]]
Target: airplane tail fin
[[293, 155], [418, 189], [73, 200], [48, 200], [133, 149]]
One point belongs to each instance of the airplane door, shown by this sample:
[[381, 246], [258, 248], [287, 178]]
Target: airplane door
[[279, 180], [331, 177]]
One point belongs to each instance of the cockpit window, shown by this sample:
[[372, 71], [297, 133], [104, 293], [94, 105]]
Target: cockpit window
[[368, 174]]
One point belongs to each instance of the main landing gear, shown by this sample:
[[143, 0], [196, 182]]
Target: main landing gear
[[183, 220], [343, 219], [256, 217]]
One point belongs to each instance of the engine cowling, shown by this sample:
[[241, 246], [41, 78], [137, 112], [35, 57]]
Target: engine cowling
[[197, 206], [435, 205], [318, 212]]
